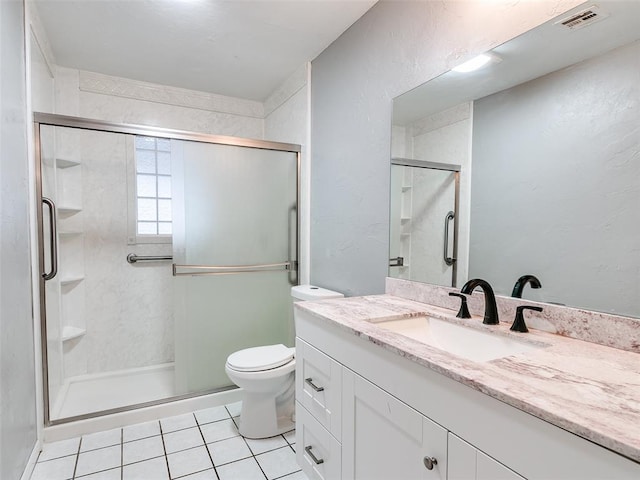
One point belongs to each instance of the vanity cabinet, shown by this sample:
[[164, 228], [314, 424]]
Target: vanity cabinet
[[395, 412], [384, 438]]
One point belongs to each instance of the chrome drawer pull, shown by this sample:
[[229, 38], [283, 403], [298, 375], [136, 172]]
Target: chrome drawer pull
[[313, 457], [310, 382]]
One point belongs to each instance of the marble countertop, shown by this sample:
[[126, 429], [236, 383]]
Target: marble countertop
[[588, 389]]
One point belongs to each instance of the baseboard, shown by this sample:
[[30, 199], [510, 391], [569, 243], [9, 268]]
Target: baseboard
[[31, 463]]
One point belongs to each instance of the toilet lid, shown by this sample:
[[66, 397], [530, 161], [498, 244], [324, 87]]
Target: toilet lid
[[260, 358]]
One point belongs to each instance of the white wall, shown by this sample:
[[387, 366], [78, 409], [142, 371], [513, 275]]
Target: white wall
[[561, 151], [17, 369], [391, 49]]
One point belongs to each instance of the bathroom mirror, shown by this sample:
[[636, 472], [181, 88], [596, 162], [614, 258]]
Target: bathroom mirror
[[547, 136]]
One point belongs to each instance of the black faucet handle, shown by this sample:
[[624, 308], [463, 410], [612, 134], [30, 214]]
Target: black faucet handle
[[464, 310], [518, 324]]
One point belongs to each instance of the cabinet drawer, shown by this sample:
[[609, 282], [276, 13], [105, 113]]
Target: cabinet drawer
[[319, 386], [317, 451]]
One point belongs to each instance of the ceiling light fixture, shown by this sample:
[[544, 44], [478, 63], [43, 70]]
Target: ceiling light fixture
[[477, 62]]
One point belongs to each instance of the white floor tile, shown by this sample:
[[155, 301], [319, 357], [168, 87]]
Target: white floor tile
[[189, 461], [278, 462], [243, 470], [290, 436], [59, 449], [154, 469], [141, 430], [144, 449], [211, 415], [97, 460], [265, 444], [228, 450], [113, 474], [219, 430], [101, 439], [205, 475], [182, 439], [179, 422], [234, 408], [58, 469]]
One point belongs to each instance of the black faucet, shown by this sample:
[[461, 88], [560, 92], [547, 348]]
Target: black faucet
[[490, 307], [464, 310], [521, 282], [518, 323]]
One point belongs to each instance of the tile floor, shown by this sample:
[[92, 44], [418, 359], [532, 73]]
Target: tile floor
[[204, 445]]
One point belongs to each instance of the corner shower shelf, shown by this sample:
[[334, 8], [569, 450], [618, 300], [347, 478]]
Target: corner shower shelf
[[69, 333], [406, 187], [70, 234], [405, 219], [66, 163], [68, 209], [71, 279]]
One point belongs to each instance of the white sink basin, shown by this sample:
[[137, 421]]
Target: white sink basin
[[456, 339]]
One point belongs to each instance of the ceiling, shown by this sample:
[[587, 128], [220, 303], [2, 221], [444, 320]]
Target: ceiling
[[238, 48]]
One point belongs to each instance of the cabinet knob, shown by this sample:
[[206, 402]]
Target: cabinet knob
[[429, 462]]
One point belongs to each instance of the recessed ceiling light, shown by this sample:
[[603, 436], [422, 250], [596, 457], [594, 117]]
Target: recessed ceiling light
[[477, 62]]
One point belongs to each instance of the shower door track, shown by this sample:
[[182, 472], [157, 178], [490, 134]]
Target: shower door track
[[54, 120]]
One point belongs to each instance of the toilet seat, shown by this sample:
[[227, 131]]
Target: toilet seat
[[258, 359]]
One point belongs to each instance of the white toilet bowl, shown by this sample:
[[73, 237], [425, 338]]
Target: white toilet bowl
[[267, 376]]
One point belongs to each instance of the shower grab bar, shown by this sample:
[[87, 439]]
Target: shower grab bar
[[53, 239], [447, 259], [133, 258], [232, 269]]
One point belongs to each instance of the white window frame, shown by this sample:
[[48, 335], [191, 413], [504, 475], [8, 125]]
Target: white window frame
[[133, 238]]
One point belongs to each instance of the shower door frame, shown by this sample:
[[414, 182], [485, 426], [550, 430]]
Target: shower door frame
[[54, 120]]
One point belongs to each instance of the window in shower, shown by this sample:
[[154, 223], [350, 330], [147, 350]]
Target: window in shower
[[152, 202]]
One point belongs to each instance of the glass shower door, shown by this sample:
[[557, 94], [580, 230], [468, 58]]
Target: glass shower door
[[234, 249]]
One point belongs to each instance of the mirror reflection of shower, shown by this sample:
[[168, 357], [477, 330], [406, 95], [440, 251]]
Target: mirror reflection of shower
[[121, 329], [422, 219]]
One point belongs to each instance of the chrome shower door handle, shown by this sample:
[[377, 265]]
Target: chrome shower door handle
[[447, 220], [53, 239]]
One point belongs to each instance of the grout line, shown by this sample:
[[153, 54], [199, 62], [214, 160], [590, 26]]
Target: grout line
[[75, 467], [166, 458], [122, 454], [193, 473], [215, 470]]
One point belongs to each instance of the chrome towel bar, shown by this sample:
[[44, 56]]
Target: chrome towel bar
[[133, 258], [231, 269]]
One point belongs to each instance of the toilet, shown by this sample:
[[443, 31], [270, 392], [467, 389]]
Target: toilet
[[267, 374]]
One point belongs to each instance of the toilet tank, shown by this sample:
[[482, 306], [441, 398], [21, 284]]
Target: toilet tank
[[310, 292]]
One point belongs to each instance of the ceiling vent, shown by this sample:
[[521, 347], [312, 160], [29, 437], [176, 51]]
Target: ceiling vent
[[583, 18]]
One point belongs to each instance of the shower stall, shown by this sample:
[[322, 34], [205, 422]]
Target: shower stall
[[161, 253]]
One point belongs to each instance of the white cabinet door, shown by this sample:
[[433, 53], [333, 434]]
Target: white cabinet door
[[383, 438], [318, 386], [466, 462], [490, 469], [461, 463]]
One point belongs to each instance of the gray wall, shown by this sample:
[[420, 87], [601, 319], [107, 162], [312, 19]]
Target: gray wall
[[394, 47], [17, 374], [562, 151]]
